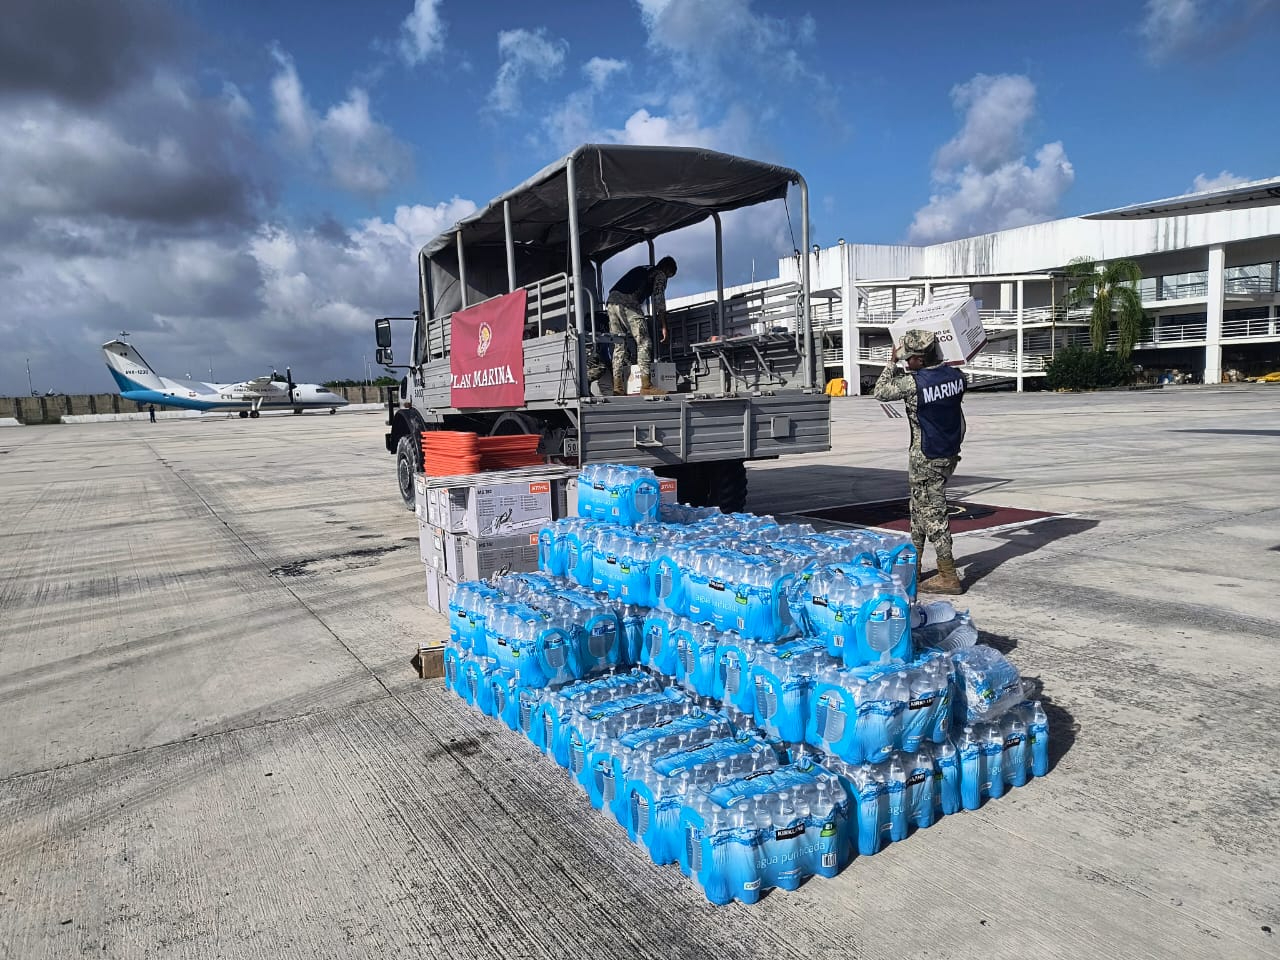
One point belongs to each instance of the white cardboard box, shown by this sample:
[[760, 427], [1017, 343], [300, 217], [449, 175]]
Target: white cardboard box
[[440, 589], [491, 509], [472, 558], [564, 498], [421, 497], [433, 589], [956, 322], [431, 546], [663, 377]]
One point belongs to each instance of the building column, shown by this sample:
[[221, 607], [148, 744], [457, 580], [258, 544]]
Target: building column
[[928, 291], [849, 322], [1019, 351], [1213, 314], [1006, 296]]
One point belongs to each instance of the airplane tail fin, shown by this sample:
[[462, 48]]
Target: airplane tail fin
[[128, 368]]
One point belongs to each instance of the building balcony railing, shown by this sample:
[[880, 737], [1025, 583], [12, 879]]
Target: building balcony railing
[[1255, 327], [1000, 362]]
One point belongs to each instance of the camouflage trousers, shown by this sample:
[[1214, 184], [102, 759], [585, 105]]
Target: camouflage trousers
[[928, 482], [624, 320]]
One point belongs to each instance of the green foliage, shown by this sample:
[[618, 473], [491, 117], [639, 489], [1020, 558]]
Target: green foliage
[[1110, 290], [1076, 368]]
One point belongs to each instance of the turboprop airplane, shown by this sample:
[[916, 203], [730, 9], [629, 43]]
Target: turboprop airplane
[[138, 382]]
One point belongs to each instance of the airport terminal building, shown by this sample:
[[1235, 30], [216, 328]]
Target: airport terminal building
[[1209, 286]]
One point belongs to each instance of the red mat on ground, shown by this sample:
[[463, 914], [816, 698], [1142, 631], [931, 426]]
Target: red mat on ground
[[896, 515]]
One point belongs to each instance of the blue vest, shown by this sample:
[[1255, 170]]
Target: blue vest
[[939, 393]]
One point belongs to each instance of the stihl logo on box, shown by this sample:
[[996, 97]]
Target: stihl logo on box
[[542, 486], [533, 539], [666, 486]]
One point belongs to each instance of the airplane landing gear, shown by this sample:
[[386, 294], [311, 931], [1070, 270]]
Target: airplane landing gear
[[332, 411], [254, 414], [297, 411], [244, 414]]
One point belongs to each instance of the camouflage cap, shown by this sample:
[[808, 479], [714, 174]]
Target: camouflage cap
[[918, 343]]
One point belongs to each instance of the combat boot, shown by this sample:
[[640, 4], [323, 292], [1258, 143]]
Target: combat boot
[[619, 386], [647, 389], [945, 582]]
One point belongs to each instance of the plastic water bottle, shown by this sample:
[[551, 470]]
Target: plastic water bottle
[[993, 761], [1039, 731], [783, 676], [970, 751], [948, 778], [897, 793], [1016, 755], [698, 661], [921, 788], [987, 684], [872, 805]]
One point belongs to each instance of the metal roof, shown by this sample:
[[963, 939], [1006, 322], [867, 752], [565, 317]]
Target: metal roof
[[1258, 193], [626, 195]]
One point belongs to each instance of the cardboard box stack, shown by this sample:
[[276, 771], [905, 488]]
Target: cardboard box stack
[[475, 525]]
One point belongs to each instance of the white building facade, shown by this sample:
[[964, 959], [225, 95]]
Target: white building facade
[[1211, 288]]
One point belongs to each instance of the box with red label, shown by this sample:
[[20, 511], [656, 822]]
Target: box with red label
[[492, 509], [667, 490], [478, 558]]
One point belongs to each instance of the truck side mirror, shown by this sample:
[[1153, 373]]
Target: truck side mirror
[[382, 331], [382, 356]]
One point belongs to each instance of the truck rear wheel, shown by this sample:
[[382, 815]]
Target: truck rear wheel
[[408, 462], [726, 485]]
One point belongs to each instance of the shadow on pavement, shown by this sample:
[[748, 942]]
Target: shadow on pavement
[[1020, 542], [798, 488], [1063, 727], [1005, 645]]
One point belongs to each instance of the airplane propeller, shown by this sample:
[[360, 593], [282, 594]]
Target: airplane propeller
[[289, 379]]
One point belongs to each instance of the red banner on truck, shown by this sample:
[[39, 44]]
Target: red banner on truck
[[486, 353]]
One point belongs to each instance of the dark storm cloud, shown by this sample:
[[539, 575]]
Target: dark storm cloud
[[82, 50]]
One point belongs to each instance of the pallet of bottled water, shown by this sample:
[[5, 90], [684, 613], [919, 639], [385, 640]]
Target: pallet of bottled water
[[753, 702]]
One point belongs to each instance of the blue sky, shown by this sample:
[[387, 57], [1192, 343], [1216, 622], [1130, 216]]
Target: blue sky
[[243, 185]]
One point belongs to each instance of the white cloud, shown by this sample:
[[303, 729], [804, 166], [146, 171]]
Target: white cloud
[[355, 151], [704, 38], [1012, 195], [600, 69], [981, 177], [422, 33], [1178, 29], [684, 128], [523, 54], [1168, 26], [997, 110], [1204, 183]]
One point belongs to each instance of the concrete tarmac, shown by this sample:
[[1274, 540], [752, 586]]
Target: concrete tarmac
[[212, 744]]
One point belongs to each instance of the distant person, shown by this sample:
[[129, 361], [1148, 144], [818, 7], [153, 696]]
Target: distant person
[[626, 316], [933, 393], [152, 411]]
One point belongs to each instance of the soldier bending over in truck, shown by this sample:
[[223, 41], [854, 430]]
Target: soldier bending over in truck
[[626, 316]]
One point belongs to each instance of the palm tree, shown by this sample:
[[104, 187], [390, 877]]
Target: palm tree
[[1111, 292]]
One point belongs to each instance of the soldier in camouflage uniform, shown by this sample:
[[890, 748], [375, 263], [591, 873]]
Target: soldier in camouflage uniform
[[932, 393]]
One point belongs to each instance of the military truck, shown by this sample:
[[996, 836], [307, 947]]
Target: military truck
[[511, 311]]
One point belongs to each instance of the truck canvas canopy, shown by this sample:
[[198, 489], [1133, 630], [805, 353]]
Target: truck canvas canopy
[[625, 195]]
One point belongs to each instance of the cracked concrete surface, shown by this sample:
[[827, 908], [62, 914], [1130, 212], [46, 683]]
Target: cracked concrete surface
[[212, 745]]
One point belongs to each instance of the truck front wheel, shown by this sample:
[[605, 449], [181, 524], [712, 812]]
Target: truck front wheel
[[408, 462]]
